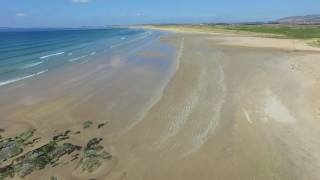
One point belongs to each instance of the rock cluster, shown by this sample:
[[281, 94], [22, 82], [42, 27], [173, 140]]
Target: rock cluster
[[12, 147], [92, 155]]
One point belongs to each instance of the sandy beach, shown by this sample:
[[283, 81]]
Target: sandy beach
[[185, 106]]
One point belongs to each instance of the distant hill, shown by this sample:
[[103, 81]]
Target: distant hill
[[308, 19]]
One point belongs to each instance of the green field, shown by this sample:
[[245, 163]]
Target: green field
[[299, 32], [315, 43], [309, 33]]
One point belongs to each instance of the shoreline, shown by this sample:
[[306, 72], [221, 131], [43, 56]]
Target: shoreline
[[194, 121], [248, 112], [110, 90]]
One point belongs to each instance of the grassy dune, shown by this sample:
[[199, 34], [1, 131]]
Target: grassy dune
[[297, 32], [316, 43], [311, 34]]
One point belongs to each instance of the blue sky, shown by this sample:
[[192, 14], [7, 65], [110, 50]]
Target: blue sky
[[73, 13]]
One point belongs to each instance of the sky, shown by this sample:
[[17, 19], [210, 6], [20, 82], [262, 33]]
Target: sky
[[75, 13]]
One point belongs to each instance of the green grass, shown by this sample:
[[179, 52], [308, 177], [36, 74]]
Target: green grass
[[309, 33], [315, 43], [298, 32]]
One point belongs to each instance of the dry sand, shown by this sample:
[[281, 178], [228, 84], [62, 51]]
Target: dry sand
[[231, 108]]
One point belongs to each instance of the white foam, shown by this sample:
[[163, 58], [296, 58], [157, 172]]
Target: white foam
[[93, 53], [146, 34], [31, 65], [77, 58], [22, 78], [50, 55]]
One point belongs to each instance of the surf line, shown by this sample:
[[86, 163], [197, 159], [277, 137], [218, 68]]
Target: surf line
[[22, 78], [50, 55], [32, 65], [159, 93], [146, 34]]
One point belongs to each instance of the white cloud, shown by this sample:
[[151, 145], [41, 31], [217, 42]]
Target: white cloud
[[21, 14], [138, 14], [80, 1]]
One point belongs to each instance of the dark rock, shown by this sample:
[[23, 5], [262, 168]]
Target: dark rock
[[93, 156], [62, 136], [25, 136], [37, 159], [35, 140], [74, 158], [7, 171], [12, 147], [93, 143], [102, 125]]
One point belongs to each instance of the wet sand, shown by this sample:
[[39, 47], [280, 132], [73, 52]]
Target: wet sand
[[221, 110]]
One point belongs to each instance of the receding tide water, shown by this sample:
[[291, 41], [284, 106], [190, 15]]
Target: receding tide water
[[25, 53]]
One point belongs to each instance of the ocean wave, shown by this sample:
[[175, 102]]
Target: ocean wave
[[31, 65], [50, 55], [77, 58], [93, 53], [22, 78], [145, 35]]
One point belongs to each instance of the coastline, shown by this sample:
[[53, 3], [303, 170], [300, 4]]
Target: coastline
[[229, 101], [112, 89], [183, 106]]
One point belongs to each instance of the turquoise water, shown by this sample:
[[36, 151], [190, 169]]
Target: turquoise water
[[25, 53]]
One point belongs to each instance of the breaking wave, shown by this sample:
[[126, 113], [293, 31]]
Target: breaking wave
[[22, 78]]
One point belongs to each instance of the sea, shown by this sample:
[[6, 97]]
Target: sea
[[26, 53]]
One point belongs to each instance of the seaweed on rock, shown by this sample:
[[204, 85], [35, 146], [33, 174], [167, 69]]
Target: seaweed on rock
[[87, 124], [93, 156], [12, 147], [47, 155], [37, 159]]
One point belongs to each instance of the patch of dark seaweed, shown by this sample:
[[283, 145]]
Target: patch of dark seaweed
[[62, 136], [12, 147], [93, 156], [87, 124], [53, 178], [48, 155], [102, 125], [37, 159]]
